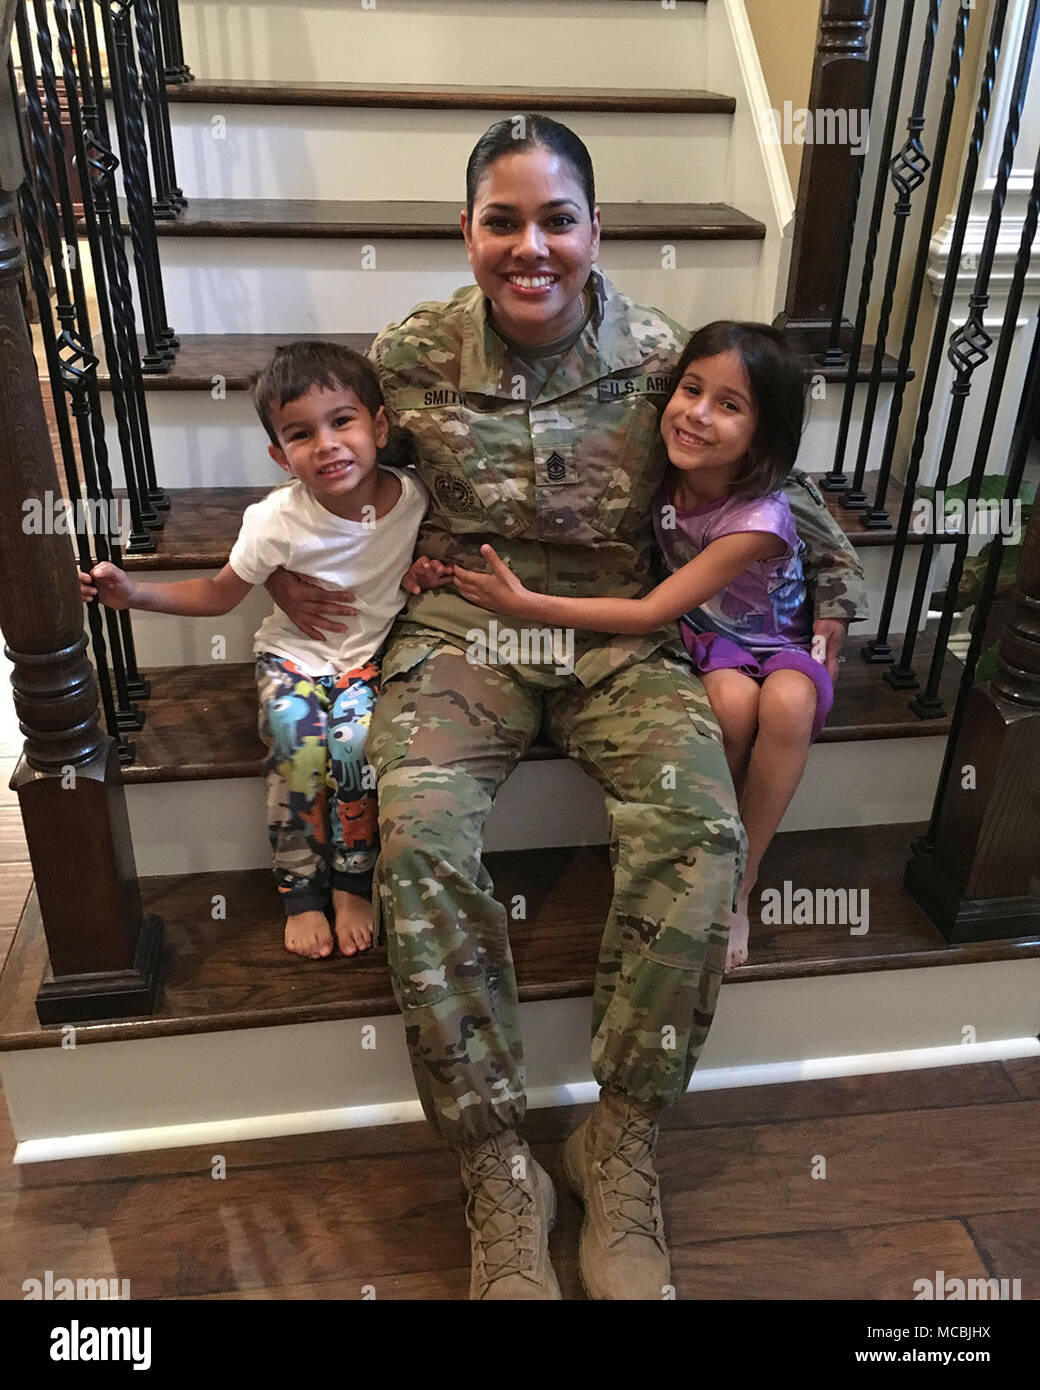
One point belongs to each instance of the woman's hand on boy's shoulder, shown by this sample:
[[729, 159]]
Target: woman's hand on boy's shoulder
[[308, 605]]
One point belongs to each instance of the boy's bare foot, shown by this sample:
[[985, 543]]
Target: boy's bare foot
[[307, 934], [737, 947], [354, 921]]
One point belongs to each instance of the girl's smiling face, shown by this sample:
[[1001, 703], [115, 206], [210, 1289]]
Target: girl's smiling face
[[709, 424], [531, 242]]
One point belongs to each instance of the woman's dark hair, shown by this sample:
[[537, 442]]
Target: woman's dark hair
[[778, 387], [296, 367], [526, 132]]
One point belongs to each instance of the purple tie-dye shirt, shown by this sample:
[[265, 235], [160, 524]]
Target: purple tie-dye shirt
[[766, 608]]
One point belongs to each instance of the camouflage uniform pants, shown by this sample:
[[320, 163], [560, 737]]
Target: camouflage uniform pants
[[444, 737]]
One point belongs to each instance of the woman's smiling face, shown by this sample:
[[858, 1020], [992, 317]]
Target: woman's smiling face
[[532, 242]]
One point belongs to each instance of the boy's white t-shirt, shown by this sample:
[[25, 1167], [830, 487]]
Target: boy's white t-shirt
[[291, 528]]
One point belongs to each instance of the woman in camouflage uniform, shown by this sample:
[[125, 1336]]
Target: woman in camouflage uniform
[[532, 399]]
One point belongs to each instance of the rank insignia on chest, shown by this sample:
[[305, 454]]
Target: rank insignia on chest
[[557, 468], [454, 494]]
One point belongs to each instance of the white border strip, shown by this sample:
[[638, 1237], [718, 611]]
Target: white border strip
[[777, 178], [578, 1093]]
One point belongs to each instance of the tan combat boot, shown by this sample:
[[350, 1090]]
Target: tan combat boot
[[509, 1215], [609, 1163]]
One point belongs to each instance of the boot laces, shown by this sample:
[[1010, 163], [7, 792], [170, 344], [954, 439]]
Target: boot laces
[[630, 1187], [500, 1210]]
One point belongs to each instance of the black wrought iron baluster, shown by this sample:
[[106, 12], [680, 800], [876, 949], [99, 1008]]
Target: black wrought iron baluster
[[928, 704], [169, 199], [970, 344], [127, 395], [90, 61], [176, 69], [909, 170], [81, 383], [97, 166], [873, 229], [1025, 424], [877, 518], [160, 340], [902, 676], [118, 709], [833, 356]]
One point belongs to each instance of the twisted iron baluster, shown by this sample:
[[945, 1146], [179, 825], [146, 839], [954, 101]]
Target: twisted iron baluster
[[169, 199], [176, 69], [877, 517], [36, 256], [928, 703], [908, 169], [873, 229], [131, 415], [902, 675], [161, 343]]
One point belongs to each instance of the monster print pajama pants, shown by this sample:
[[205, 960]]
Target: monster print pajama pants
[[321, 798]]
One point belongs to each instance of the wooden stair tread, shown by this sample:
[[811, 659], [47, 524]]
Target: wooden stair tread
[[450, 96], [312, 217], [235, 973], [201, 525], [236, 357], [200, 721]]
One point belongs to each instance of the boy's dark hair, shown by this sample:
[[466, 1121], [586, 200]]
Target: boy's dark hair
[[525, 132], [296, 367], [778, 387]]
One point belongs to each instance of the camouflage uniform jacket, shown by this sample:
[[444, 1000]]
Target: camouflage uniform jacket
[[560, 485]]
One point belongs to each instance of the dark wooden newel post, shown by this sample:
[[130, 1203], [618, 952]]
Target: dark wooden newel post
[[104, 955], [982, 878], [840, 82]]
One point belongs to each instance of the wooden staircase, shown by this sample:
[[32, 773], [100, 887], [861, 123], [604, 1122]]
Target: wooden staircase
[[247, 1040]]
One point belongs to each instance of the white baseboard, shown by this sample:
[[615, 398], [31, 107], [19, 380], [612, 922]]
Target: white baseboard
[[219, 1088]]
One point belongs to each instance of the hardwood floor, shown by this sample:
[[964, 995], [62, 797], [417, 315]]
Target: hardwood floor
[[926, 1171]]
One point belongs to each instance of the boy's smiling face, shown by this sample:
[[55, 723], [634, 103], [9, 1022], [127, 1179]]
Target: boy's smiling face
[[329, 440]]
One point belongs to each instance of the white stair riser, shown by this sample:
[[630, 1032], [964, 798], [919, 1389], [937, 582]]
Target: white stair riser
[[163, 640], [196, 827], [231, 151], [320, 285], [213, 1089], [560, 43], [212, 438]]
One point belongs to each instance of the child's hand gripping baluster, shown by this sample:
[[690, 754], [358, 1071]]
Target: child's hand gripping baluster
[[109, 583], [501, 591]]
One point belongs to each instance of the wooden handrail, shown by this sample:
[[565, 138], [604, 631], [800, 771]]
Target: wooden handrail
[[104, 954]]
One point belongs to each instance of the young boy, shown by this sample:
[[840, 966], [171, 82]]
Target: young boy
[[344, 522]]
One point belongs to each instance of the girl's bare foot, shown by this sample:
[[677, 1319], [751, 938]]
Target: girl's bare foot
[[354, 921], [737, 948], [307, 934]]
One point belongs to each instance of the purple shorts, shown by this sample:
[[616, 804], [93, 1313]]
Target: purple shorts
[[711, 652]]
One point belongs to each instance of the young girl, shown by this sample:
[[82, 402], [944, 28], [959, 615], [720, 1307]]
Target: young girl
[[732, 427], [342, 520]]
